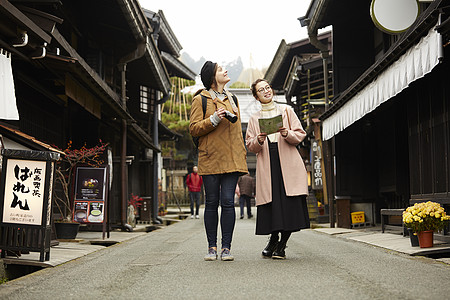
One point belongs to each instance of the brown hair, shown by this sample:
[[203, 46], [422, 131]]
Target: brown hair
[[214, 81], [253, 87]]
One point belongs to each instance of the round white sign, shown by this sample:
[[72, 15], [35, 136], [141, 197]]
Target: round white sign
[[394, 16]]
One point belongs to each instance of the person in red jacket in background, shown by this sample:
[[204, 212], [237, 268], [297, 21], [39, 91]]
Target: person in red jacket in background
[[194, 183]]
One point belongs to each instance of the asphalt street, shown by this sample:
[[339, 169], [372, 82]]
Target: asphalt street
[[168, 264]]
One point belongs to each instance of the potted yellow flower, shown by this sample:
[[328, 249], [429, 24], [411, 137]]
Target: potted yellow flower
[[424, 218]]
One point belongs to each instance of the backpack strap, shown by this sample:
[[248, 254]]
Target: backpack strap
[[204, 103], [195, 139], [235, 99]]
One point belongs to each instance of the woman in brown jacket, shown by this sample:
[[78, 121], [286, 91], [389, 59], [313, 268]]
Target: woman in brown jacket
[[221, 154], [281, 178]]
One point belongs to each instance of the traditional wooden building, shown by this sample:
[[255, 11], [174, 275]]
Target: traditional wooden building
[[86, 71], [388, 125]]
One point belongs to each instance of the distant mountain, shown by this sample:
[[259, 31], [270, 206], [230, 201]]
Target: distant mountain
[[234, 67], [195, 66]]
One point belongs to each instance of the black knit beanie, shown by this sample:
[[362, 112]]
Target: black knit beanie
[[207, 74]]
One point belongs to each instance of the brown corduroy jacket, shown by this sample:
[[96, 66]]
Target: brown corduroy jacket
[[221, 149]]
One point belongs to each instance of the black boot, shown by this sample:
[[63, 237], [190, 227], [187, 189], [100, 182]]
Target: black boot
[[267, 252], [279, 253]]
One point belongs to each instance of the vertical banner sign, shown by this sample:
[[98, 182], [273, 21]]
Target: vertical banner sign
[[316, 159], [24, 192], [90, 195]]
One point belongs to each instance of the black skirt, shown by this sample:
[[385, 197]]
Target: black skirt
[[284, 213]]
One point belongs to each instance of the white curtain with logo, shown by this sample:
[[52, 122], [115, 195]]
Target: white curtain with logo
[[418, 61], [8, 107]]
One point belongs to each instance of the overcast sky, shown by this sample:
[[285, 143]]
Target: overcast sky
[[221, 31]]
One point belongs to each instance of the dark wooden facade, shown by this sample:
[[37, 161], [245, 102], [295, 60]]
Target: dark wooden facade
[[398, 153], [76, 91], [428, 110]]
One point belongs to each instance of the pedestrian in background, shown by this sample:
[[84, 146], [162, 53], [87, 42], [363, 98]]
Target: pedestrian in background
[[194, 183], [221, 154], [246, 191], [282, 186]]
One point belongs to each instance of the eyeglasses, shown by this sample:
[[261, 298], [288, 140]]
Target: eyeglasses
[[266, 88]]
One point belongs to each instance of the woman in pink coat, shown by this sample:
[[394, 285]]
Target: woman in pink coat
[[281, 178]]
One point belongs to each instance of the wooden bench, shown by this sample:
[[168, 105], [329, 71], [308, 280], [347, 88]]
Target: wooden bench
[[385, 213]]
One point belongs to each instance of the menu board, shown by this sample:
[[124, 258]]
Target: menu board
[[90, 195]]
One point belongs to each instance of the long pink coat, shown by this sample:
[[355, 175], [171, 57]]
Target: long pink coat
[[292, 166]]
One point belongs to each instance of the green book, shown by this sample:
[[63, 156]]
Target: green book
[[270, 125]]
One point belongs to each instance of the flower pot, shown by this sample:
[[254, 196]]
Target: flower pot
[[425, 238], [66, 231], [413, 238]]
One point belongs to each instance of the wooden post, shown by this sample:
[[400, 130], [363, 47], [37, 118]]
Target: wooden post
[[179, 97], [329, 173], [172, 80], [184, 101]]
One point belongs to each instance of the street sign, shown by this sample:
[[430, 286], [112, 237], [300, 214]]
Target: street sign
[[394, 16]]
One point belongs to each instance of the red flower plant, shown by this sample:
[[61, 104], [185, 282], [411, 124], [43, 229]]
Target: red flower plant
[[135, 201]]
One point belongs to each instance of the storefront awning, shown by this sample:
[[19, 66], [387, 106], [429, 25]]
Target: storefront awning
[[415, 63]]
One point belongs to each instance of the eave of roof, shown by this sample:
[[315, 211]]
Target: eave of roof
[[280, 55], [136, 19], [169, 36], [154, 58], [141, 28], [166, 134], [179, 69], [315, 14], [27, 140], [142, 136], [17, 16], [288, 51]]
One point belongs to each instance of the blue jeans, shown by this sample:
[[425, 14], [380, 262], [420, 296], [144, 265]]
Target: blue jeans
[[244, 199], [195, 198], [219, 188]]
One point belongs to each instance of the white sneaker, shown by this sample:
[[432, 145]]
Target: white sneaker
[[197, 217], [192, 216]]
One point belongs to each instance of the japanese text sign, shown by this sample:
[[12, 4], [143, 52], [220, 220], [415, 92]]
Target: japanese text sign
[[316, 161], [24, 192]]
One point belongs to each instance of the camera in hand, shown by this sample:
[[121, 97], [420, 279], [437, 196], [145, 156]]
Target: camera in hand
[[230, 116]]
